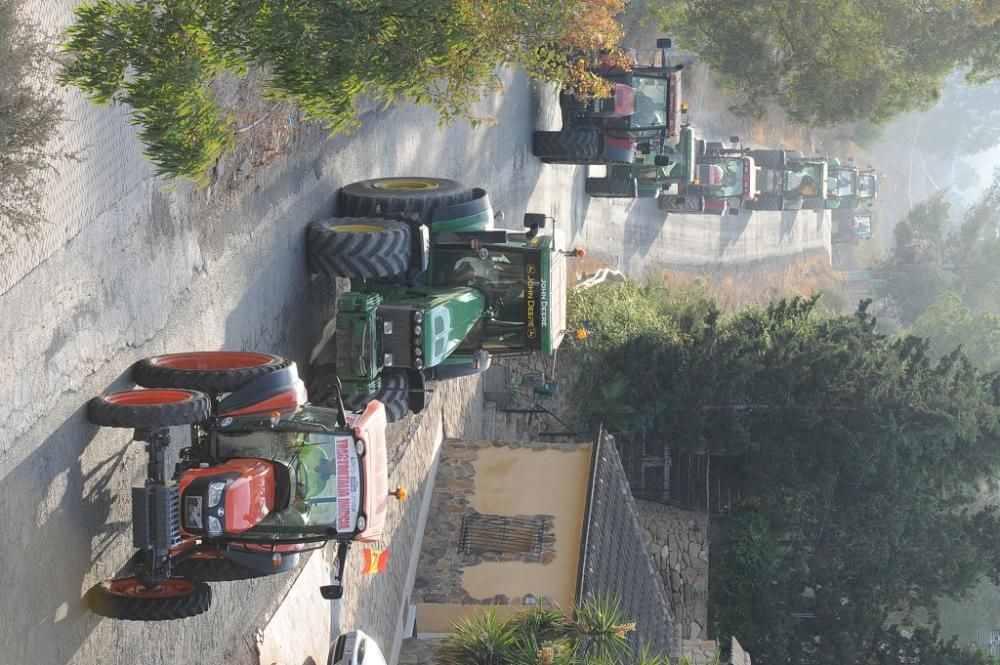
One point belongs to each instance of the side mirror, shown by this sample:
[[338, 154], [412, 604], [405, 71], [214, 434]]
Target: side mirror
[[664, 43], [534, 220], [661, 160], [332, 591]]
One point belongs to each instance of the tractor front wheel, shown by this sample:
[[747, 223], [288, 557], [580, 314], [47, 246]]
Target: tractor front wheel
[[381, 197], [149, 409], [208, 371], [127, 598], [612, 188], [358, 247], [394, 394]]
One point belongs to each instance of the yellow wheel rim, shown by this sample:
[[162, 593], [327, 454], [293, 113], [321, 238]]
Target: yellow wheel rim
[[358, 228], [407, 184]]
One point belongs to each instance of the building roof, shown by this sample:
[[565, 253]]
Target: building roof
[[614, 560]]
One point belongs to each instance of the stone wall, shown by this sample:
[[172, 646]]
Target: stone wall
[[678, 541], [700, 652], [509, 398]]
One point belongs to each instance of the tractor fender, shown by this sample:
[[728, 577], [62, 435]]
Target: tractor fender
[[474, 215], [261, 561], [263, 393], [618, 149]]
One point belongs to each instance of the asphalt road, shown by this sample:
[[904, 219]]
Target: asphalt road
[[144, 267]]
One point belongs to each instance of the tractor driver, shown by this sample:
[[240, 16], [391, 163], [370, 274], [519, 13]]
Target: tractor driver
[[806, 188]]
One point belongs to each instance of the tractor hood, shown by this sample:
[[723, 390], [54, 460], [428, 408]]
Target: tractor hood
[[447, 321]]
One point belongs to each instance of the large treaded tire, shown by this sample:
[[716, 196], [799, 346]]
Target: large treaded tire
[[773, 160], [149, 409], [104, 601], [574, 146], [381, 254], [211, 372], [611, 188], [370, 198], [393, 393], [690, 204]]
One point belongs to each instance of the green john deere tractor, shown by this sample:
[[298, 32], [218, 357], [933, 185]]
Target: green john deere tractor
[[788, 181], [436, 290]]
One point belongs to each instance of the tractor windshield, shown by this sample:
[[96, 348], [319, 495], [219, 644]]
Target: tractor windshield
[[323, 469], [867, 186], [499, 273], [650, 102], [843, 182]]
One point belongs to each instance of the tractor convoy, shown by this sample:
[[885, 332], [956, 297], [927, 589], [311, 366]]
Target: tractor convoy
[[275, 466], [271, 469], [642, 139]]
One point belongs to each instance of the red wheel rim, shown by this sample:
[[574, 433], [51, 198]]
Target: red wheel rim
[[149, 397], [131, 587], [207, 360]]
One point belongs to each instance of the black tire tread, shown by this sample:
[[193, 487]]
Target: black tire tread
[[609, 188], [360, 199], [568, 146], [149, 609], [149, 416], [393, 393], [358, 255], [213, 381]]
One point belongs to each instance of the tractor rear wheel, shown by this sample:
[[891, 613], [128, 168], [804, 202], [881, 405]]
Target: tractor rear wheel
[[611, 188], [569, 146], [208, 371], [381, 197], [358, 247], [149, 409], [774, 160], [393, 393], [681, 204], [126, 598]]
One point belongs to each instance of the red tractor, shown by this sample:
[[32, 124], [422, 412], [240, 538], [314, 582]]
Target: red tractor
[[265, 478]]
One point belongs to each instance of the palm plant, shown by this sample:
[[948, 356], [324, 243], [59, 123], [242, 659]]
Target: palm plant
[[595, 635]]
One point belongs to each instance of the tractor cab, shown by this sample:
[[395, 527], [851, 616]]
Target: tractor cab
[[867, 186], [521, 283], [289, 476]]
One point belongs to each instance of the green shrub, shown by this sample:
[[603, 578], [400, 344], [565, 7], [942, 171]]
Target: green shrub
[[159, 56]]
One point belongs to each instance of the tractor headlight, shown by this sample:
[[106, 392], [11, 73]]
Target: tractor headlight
[[215, 492], [214, 526], [418, 351], [418, 316], [418, 330], [418, 363]]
